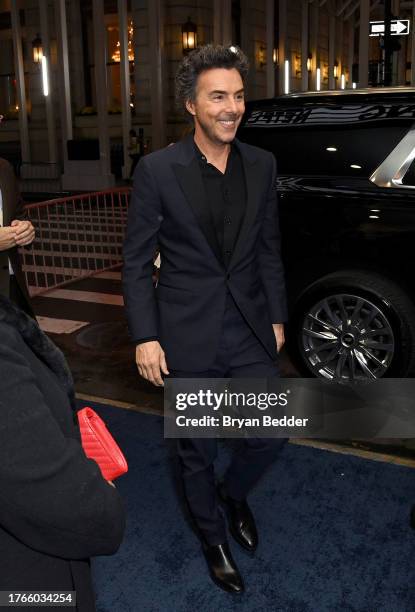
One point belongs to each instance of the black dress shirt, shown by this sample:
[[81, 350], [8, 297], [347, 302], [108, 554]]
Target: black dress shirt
[[226, 196]]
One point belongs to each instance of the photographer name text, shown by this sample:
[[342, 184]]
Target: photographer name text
[[240, 423]]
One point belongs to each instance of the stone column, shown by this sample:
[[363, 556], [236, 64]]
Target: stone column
[[21, 89], [101, 86], [413, 47], [364, 43], [77, 54], [156, 48], [332, 51], [63, 71], [222, 22], [270, 10], [141, 62], [282, 44], [49, 102], [350, 26], [125, 83], [315, 62], [304, 45]]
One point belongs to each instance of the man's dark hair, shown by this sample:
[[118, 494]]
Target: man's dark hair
[[205, 58]]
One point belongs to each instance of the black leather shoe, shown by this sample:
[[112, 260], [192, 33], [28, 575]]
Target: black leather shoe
[[241, 521], [413, 517], [222, 568]]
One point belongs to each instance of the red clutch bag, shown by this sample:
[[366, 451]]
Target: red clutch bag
[[99, 444]]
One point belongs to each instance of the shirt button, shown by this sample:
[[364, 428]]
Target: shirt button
[[204, 158], [228, 220]]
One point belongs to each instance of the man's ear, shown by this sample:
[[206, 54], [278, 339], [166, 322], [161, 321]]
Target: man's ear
[[190, 107]]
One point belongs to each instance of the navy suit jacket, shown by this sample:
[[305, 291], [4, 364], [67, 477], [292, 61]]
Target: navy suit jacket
[[169, 210]]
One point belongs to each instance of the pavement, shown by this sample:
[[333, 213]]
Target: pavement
[[86, 320]]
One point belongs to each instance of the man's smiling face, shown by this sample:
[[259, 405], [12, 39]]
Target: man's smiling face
[[219, 104]]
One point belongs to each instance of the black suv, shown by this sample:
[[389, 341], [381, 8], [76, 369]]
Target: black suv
[[346, 183]]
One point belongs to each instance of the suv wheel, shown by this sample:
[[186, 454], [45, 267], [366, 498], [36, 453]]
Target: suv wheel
[[354, 325]]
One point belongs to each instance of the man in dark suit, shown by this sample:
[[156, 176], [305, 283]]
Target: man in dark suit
[[15, 230], [209, 203]]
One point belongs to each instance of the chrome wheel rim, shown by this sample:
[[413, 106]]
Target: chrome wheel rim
[[347, 337]]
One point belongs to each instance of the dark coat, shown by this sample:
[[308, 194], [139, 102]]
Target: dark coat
[[168, 208], [56, 510], [12, 209]]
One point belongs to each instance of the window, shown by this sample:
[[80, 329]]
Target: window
[[8, 95], [113, 56], [113, 63], [409, 178], [338, 151]]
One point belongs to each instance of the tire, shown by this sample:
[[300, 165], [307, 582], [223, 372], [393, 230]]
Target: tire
[[367, 318]]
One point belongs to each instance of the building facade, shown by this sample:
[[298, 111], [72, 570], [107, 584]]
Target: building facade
[[77, 75]]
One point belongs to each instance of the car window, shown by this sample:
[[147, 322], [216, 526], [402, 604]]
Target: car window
[[409, 178], [327, 150]]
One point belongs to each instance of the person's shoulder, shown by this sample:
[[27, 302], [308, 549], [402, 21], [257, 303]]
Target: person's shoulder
[[6, 167], [255, 152], [165, 155]]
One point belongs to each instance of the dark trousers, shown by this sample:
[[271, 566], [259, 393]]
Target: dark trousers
[[240, 355]]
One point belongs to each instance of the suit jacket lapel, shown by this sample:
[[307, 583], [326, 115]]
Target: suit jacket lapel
[[253, 194], [190, 180], [189, 176], [5, 187]]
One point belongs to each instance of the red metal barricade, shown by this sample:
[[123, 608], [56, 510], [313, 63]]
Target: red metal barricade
[[76, 237]]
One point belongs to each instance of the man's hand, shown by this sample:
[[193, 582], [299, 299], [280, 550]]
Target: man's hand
[[279, 335], [7, 238], [150, 359], [25, 232]]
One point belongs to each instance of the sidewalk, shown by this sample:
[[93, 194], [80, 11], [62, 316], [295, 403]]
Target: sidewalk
[[86, 320]]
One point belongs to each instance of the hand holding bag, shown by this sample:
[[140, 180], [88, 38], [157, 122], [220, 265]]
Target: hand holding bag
[[99, 444]]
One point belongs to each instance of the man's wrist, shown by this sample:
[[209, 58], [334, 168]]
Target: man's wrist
[[147, 339]]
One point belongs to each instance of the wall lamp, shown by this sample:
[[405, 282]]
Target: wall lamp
[[189, 36], [275, 56], [37, 49], [261, 56]]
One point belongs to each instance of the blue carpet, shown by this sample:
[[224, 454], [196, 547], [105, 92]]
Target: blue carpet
[[334, 534]]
